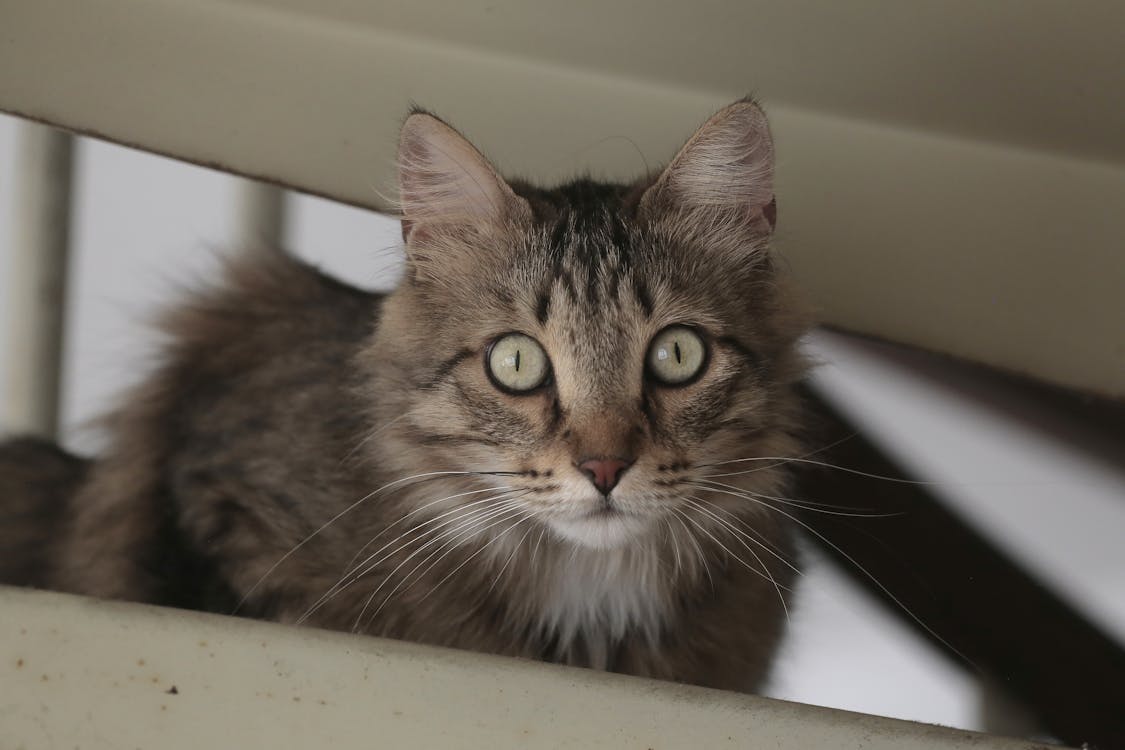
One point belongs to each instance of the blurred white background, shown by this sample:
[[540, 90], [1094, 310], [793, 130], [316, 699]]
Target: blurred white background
[[1047, 488]]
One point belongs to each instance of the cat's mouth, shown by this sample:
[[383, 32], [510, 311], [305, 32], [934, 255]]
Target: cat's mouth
[[605, 526], [607, 509]]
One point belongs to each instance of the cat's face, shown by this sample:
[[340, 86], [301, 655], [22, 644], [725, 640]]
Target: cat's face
[[601, 347]]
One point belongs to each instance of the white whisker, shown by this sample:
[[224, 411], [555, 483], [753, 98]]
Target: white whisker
[[508, 562], [419, 510], [507, 513], [803, 505], [508, 506], [781, 460], [711, 511], [695, 543], [675, 546], [470, 557], [535, 549], [764, 573], [370, 563], [853, 561], [337, 517]]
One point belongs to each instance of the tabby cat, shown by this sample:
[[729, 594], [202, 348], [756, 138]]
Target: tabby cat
[[555, 439]]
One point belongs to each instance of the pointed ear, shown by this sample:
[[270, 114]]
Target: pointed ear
[[723, 174], [444, 180]]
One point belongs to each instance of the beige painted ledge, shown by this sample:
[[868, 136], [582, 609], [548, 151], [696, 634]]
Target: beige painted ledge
[[951, 174], [90, 674]]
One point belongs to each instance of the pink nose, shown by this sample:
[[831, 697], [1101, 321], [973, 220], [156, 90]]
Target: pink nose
[[604, 472]]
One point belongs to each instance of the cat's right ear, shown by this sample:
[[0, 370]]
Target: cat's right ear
[[446, 183]]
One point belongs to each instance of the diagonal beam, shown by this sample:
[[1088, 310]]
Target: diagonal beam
[[977, 605]]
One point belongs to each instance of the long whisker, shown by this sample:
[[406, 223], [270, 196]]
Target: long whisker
[[813, 507], [535, 549], [783, 460], [807, 504], [753, 534], [507, 507], [337, 517], [500, 499], [858, 567], [695, 543], [470, 557], [764, 573], [452, 538], [702, 504], [675, 546], [417, 511], [355, 573], [508, 562]]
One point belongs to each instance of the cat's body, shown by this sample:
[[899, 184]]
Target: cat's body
[[309, 452]]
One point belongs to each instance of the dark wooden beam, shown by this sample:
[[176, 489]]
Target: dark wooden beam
[[978, 606]]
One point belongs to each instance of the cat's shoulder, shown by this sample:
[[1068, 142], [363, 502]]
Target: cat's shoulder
[[265, 298]]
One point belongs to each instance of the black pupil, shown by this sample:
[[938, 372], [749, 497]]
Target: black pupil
[[679, 357], [517, 360]]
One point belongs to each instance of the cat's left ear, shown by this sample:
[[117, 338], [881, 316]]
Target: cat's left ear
[[723, 174], [445, 182]]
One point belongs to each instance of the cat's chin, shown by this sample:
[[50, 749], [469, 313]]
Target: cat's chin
[[602, 531]]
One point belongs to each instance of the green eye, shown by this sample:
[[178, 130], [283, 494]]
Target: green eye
[[517, 363], [676, 355]]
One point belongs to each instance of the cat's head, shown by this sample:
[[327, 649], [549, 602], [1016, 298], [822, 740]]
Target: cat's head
[[604, 348]]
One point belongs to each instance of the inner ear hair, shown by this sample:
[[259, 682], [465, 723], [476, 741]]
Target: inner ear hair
[[444, 179], [724, 170]]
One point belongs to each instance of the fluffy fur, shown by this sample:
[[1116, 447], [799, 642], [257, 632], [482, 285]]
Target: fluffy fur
[[311, 453]]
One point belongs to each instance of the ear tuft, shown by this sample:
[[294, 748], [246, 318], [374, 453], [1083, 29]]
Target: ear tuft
[[444, 179], [725, 169]]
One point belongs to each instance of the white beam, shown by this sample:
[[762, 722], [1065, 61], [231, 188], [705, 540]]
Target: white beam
[[261, 216], [36, 287], [950, 174], [79, 671]]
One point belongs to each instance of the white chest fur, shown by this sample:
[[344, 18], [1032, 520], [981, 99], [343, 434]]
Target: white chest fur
[[601, 596]]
